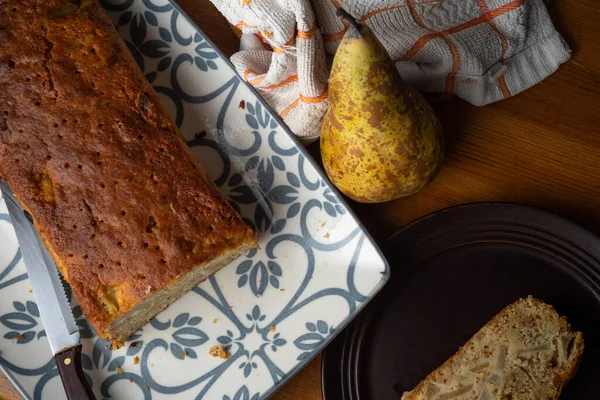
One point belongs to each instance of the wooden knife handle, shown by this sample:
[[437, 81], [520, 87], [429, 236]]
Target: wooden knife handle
[[71, 374]]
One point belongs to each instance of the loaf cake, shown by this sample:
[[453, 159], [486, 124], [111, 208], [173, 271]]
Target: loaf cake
[[128, 213], [526, 352]]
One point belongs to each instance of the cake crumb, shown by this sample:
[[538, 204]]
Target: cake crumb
[[273, 328], [219, 351], [184, 354], [230, 307], [19, 337], [136, 360], [30, 291], [327, 235], [130, 380], [147, 388], [215, 320], [119, 370], [323, 224], [133, 344], [242, 105]]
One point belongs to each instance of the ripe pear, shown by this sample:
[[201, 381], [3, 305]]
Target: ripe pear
[[380, 139]]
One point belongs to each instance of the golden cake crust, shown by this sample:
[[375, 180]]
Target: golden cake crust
[[93, 155]]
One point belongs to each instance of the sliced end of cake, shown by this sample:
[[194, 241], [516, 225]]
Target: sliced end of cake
[[526, 352], [124, 326]]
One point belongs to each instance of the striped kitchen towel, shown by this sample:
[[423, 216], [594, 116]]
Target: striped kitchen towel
[[481, 50]]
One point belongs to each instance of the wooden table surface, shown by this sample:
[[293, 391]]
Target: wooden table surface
[[541, 148]]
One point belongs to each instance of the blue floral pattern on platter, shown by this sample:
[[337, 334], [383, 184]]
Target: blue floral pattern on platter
[[273, 309]]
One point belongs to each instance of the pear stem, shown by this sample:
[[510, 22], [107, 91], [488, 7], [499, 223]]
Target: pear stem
[[348, 18]]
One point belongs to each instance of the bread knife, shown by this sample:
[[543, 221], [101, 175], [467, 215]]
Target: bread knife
[[61, 330]]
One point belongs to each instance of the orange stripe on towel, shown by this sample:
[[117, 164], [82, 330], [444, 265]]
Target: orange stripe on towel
[[412, 5], [289, 108], [483, 6], [423, 40], [256, 81], [316, 99], [284, 82], [242, 24], [379, 11], [332, 37], [307, 34], [248, 72], [290, 42], [504, 87]]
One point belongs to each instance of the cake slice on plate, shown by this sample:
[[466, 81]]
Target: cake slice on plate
[[526, 352]]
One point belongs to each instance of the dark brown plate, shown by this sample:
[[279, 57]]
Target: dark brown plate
[[452, 271]]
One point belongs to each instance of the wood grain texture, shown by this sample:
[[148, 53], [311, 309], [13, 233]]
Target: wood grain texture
[[541, 147], [7, 391]]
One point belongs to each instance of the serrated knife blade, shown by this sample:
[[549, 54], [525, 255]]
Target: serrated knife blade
[[55, 312]]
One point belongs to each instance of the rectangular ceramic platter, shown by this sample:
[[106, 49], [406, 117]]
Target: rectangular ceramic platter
[[273, 309]]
